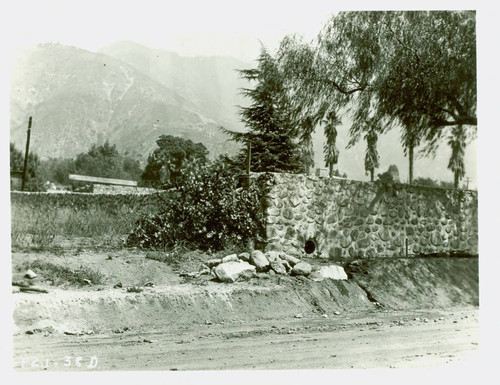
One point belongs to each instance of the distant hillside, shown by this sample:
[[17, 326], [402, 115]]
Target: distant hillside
[[212, 83], [78, 98]]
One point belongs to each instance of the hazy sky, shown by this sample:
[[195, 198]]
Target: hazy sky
[[188, 27]]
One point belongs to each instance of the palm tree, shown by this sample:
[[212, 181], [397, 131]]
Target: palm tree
[[371, 154], [410, 138], [330, 148], [306, 145], [457, 143]]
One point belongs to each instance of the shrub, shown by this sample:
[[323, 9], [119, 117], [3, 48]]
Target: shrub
[[207, 212]]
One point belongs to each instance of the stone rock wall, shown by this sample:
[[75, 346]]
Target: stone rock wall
[[343, 218]]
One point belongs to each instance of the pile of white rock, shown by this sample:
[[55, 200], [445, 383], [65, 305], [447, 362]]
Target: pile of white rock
[[232, 267]]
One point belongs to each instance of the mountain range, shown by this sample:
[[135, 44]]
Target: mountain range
[[127, 94], [131, 94]]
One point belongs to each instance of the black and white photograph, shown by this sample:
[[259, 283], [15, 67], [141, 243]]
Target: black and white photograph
[[237, 188]]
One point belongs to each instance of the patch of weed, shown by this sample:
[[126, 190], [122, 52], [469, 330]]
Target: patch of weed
[[62, 275]]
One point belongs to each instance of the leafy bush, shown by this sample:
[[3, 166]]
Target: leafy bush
[[207, 212]]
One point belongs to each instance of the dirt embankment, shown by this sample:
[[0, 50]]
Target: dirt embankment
[[416, 283], [419, 283]]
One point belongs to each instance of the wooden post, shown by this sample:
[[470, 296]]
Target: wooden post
[[26, 155]]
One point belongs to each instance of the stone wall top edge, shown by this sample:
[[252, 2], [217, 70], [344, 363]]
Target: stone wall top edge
[[360, 182]]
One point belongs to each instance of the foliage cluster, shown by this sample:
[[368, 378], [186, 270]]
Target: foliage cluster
[[166, 166], [272, 134], [414, 70], [33, 180], [100, 161], [207, 212], [105, 161]]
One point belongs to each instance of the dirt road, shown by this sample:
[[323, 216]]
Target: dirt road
[[370, 339]]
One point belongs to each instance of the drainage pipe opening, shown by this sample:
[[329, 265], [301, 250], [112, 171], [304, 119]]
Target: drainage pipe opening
[[310, 246]]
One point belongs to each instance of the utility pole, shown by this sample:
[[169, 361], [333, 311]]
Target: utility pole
[[249, 156], [26, 154], [467, 179]]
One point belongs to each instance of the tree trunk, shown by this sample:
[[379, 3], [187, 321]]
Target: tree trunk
[[457, 180], [410, 159], [331, 170], [371, 174]]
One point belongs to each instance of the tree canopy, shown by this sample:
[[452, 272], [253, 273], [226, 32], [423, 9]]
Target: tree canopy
[[167, 162], [105, 161], [271, 132], [414, 69]]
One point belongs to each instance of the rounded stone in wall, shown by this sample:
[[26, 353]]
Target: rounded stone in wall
[[335, 252], [287, 213], [398, 241], [290, 233], [370, 253], [354, 234], [472, 241], [349, 210], [423, 241], [346, 223], [415, 248], [380, 248], [331, 219], [369, 221], [283, 193], [410, 230], [378, 221], [374, 237], [344, 202], [294, 200], [273, 211], [384, 234], [278, 203], [271, 219], [345, 242], [364, 243], [359, 222], [414, 221], [352, 252], [375, 228]]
